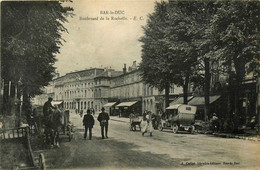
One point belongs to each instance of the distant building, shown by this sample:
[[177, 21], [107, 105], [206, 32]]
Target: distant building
[[118, 91]]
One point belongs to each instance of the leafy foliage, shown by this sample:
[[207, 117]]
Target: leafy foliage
[[184, 40], [235, 31], [31, 36]]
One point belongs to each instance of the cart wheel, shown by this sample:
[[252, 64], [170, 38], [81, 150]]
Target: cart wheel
[[192, 129], [160, 128], [175, 128], [42, 161]]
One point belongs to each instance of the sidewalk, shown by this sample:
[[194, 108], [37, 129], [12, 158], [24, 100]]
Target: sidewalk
[[248, 135], [120, 119]]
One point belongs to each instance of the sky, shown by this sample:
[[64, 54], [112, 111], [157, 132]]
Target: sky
[[103, 42]]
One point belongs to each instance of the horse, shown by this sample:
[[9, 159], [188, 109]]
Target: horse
[[53, 126], [56, 126]]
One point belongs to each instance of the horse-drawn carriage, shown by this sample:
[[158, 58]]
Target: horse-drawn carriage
[[56, 126]]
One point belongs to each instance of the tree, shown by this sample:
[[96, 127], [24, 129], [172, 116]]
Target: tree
[[31, 36], [180, 37], [201, 16], [167, 55], [235, 32], [154, 54]]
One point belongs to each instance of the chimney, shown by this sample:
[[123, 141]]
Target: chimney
[[124, 69]]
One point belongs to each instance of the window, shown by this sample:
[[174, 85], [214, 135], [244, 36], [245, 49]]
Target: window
[[188, 108]]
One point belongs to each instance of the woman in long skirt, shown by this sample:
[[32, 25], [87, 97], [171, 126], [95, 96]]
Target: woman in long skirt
[[147, 125]]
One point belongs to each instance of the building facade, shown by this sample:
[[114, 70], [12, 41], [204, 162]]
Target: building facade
[[94, 88]]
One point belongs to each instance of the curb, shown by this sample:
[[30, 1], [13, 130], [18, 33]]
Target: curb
[[256, 139], [119, 120]]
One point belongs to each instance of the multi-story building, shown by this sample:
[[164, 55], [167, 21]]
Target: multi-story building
[[131, 89], [77, 89], [97, 87]]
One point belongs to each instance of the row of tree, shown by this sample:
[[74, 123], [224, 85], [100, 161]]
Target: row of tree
[[31, 36], [182, 40]]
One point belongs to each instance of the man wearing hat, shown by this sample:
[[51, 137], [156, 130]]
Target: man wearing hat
[[103, 119], [88, 122]]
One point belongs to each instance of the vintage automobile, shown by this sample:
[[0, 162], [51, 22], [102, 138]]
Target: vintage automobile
[[178, 117]]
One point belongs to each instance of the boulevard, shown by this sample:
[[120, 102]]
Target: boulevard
[[126, 149]]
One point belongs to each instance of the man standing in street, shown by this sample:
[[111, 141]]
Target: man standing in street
[[103, 119], [88, 122]]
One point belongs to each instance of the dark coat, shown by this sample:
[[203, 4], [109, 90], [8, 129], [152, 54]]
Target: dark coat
[[103, 118], [88, 120]]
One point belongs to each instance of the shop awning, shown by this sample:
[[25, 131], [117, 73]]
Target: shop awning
[[180, 100], [196, 101], [126, 104], [109, 104], [56, 102]]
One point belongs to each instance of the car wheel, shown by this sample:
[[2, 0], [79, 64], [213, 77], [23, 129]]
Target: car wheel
[[160, 128], [192, 129], [175, 128]]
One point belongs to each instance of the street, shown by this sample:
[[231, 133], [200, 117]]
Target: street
[[126, 149]]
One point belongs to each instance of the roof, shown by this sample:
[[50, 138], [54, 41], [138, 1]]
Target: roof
[[196, 101], [56, 102], [109, 104], [126, 104], [173, 106], [183, 108], [180, 100], [109, 73]]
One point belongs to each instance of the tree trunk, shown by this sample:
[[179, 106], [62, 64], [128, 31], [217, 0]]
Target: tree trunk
[[167, 94], [206, 89], [26, 100], [185, 89], [239, 65]]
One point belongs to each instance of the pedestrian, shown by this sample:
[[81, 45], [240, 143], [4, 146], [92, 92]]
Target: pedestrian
[[81, 113], [103, 119], [88, 122], [148, 126]]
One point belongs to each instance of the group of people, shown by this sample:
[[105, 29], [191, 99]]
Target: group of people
[[88, 122]]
